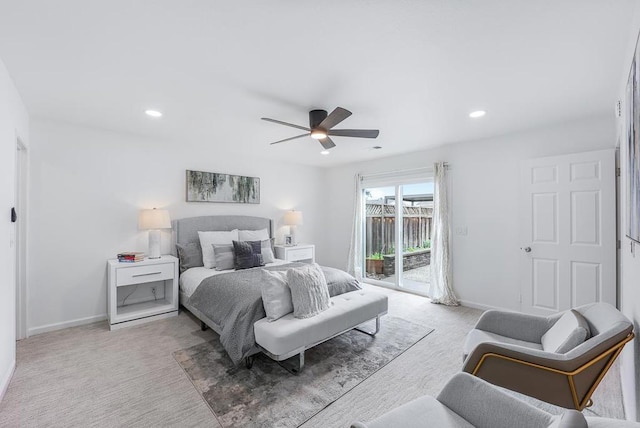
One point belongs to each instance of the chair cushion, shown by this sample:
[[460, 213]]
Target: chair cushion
[[569, 419], [595, 422], [476, 337], [567, 333], [421, 412]]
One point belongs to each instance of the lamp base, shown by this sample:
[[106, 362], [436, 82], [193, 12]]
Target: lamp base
[[292, 232], [154, 244]]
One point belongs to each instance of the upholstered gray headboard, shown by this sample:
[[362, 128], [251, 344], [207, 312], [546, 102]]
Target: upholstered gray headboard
[[185, 230]]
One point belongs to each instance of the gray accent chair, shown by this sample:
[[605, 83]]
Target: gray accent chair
[[467, 401], [518, 352]]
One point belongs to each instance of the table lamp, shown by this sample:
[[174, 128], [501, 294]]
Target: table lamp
[[293, 219], [154, 220]]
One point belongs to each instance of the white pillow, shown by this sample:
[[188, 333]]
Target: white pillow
[[208, 239], [267, 251], [309, 290], [567, 333], [253, 235], [276, 296]]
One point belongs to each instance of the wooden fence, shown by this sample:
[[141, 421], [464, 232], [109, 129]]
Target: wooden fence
[[381, 231]]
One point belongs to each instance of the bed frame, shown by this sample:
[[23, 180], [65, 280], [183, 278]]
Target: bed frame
[[186, 231]]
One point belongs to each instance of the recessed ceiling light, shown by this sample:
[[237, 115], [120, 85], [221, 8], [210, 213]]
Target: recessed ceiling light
[[324, 152], [153, 113], [477, 113]]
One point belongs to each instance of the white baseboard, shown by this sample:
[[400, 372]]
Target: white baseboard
[[483, 307], [6, 379], [65, 324]]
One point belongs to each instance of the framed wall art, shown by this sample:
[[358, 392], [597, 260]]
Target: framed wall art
[[216, 187], [633, 151]]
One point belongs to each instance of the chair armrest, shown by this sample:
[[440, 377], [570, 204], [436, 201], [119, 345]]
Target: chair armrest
[[482, 404], [515, 325], [534, 356]]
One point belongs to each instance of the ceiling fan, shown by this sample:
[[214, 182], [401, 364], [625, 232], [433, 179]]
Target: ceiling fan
[[321, 127]]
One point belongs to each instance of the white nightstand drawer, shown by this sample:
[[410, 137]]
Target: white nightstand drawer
[[299, 254], [142, 274]]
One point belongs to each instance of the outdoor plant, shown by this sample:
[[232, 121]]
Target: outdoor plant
[[376, 256], [426, 244]]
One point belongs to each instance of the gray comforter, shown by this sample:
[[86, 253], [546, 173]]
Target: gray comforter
[[234, 302]]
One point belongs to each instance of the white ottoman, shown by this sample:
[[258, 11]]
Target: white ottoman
[[288, 336]]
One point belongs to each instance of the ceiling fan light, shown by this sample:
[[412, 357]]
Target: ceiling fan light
[[318, 134]]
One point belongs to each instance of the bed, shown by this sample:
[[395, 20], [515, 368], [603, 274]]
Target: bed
[[229, 302]]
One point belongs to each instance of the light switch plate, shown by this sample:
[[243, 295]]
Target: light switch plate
[[462, 231]]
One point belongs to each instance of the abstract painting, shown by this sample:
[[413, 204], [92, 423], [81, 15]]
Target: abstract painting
[[216, 187], [633, 151]]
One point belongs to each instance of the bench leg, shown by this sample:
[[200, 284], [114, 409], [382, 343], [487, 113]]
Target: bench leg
[[203, 326], [292, 368], [371, 333], [248, 361]]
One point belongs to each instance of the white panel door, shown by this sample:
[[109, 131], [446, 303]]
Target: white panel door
[[568, 231]]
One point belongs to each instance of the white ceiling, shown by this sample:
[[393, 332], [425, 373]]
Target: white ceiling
[[412, 68]]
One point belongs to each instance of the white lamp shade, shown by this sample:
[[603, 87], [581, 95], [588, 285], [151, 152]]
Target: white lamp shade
[[293, 218], [154, 219]]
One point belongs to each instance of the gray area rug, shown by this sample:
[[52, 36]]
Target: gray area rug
[[269, 396]]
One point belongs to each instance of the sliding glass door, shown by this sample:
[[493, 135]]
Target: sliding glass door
[[397, 235]]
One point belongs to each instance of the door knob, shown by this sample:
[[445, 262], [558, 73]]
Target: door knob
[[527, 249]]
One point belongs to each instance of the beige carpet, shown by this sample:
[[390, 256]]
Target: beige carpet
[[91, 377]]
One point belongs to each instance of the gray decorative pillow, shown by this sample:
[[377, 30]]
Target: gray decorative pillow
[[248, 254], [224, 255], [276, 295], [309, 291], [190, 255], [567, 333], [267, 251]]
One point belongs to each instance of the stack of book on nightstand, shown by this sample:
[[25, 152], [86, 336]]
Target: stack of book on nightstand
[[130, 257]]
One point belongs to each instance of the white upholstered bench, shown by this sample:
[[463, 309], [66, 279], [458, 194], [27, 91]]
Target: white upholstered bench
[[288, 336]]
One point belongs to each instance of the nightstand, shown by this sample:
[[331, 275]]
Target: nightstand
[[141, 292], [305, 253]]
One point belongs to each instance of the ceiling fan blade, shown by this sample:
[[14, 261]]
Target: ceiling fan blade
[[285, 123], [359, 133], [292, 138], [327, 143], [336, 116]]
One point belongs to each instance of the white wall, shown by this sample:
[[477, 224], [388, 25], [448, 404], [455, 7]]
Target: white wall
[[14, 123], [629, 262], [485, 180], [87, 186]]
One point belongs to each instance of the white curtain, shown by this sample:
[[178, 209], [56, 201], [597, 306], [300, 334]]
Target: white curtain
[[354, 264], [441, 287]]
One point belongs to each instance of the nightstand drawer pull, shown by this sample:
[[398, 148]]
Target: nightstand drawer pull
[[127, 275], [145, 274]]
